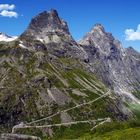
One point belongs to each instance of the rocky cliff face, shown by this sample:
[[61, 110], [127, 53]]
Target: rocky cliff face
[[47, 24], [118, 67], [48, 31]]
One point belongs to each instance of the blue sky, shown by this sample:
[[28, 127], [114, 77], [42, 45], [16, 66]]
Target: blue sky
[[117, 16]]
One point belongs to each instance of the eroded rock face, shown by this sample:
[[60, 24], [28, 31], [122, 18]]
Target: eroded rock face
[[118, 67], [47, 27], [47, 31]]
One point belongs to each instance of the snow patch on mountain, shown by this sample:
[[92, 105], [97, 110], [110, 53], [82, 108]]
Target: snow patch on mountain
[[6, 38], [22, 45]]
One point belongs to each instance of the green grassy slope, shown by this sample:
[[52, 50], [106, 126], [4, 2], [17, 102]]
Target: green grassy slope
[[115, 131]]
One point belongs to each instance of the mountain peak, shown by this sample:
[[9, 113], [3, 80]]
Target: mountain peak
[[97, 31], [98, 27], [53, 12], [49, 20], [102, 40], [46, 23], [98, 34]]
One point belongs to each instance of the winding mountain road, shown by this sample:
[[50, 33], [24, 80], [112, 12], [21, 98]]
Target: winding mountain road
[[66, 110], [103, 120]]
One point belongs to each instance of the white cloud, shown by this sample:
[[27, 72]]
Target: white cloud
[[6, 10], [132, 35], [10, 14], [7, 7]]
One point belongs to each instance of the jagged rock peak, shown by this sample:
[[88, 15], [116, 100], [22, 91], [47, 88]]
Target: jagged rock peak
[[53, 12], [98, 27], [49, 20], [45, 24], [103, 41], [97, 33]]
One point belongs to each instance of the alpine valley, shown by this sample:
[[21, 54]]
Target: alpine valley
[[52, 87]]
